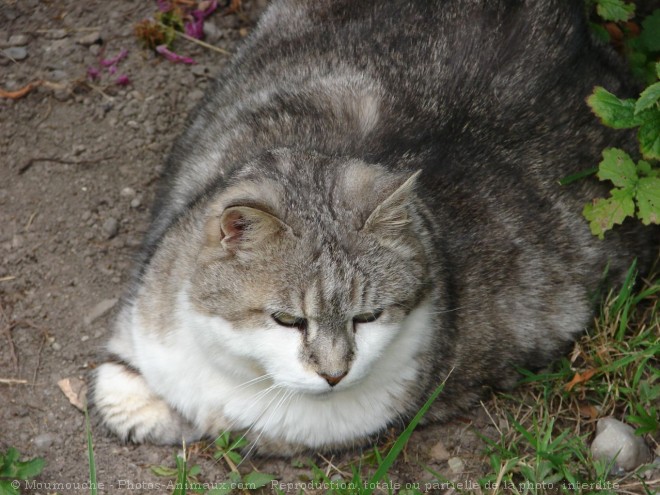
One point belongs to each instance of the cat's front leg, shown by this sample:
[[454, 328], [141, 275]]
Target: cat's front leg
[[130, 409]]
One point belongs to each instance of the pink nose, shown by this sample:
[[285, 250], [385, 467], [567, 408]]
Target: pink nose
[[333, 378]]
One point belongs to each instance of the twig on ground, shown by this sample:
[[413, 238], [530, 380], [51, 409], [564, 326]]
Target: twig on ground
[[26, 166], [44, 338], [12, 381], [198, 42]]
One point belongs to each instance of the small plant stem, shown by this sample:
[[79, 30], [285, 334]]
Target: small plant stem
[[195, 40]]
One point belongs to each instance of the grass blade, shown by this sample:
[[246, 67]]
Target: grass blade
[[93, 490], [396, 449]]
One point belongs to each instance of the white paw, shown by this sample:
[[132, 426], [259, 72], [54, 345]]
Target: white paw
[[128, 407]]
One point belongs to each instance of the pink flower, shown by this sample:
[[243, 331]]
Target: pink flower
[[123, 80], [93, 73], [195, 28], [115, 60], [173, 57], [206, 8]]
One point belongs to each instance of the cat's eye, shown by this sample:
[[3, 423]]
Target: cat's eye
[[288, 320], [367, 317]]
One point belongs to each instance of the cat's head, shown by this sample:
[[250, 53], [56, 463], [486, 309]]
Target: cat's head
[[310, 265]]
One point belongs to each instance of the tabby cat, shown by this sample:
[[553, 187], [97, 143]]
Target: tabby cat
[[367, 202]]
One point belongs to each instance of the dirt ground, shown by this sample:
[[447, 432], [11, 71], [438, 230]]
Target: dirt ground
[[78, 169]]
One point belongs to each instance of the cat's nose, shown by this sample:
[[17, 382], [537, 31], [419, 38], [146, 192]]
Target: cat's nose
[[333, 378]]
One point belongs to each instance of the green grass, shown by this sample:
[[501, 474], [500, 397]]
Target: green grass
[[612, 371]]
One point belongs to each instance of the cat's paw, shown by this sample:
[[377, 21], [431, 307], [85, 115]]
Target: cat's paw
[[130, 409]]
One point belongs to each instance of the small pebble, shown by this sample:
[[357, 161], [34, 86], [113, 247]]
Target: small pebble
[[439, 452], [79, 149], [58, 75], [136, 202], [99, 310], [95, 50], [110, 227], [18, 40], [617, 439], [127, 192], [56, 346], [16, 52], [456, 465], [199, 70], [196, 94], [90, 39], [55, 34], [44, 440]]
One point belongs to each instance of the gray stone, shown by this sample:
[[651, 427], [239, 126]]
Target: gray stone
[[199, 70], [16, 52], [456, 465], [55, 34], [44, 441], [127, 192], [18, 40], [99, 310], [58, 75], [439, 452], [136, 202], [110, 227], [89, 39], [615, 439]]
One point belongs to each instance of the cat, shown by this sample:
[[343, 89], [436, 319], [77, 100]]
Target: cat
[[366, 204]]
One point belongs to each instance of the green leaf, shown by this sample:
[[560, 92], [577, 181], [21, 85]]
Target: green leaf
[[7, 489], [649, 137], [612, 111], [603, 214], [615, 10], [257, 480], [657, 70], [163, 471], [644, 168], [29, 469], [648, 200], [650, 35], [617, 167], [648, 98], [235, 457], [599, 32]]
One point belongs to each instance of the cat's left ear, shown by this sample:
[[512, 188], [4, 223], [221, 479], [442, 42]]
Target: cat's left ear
[[242, 227], [393, 214]]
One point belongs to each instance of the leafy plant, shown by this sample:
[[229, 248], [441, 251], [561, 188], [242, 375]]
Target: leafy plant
[[12, 471], [615, 10], [636, 192]]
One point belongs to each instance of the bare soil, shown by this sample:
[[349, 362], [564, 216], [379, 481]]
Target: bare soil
[[79, 162]]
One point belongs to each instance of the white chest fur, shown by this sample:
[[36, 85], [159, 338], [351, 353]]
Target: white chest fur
[[222, 379]]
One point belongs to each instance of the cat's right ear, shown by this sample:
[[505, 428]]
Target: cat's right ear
[[242, 227]]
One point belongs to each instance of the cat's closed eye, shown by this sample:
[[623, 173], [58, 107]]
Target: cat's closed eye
[[289, 320], [367, 317]]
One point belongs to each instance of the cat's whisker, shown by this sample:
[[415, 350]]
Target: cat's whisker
[[253, 381], [258, 396], [288, 394]]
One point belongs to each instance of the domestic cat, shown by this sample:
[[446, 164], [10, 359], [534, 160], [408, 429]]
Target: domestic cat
[[367, 199]]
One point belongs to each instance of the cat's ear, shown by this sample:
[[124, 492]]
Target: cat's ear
[[393, 214], [242, 227]]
